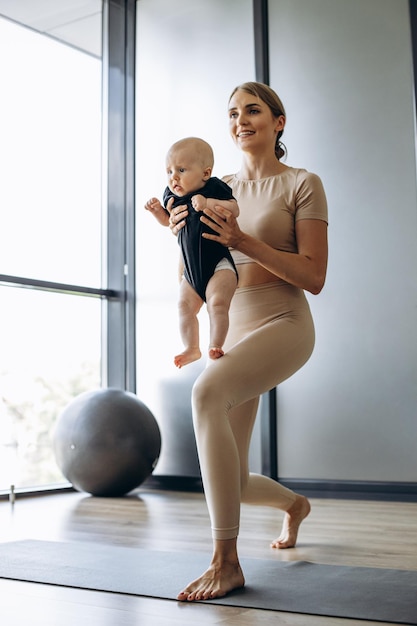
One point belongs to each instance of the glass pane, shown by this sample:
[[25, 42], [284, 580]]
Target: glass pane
[[181, 91], [50, 352], [50, 158]]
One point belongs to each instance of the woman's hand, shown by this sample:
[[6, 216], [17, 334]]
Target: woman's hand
[[225, 225], [176, 216]]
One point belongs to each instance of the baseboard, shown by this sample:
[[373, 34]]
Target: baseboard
[[338, 489], [173, 483], [354, 489], [360, 490]]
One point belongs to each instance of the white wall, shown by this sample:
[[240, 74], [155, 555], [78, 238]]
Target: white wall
[[344, 71], [190, 56]]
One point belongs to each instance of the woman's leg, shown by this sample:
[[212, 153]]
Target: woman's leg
[[189, 304], [263, 491], [272, 346]]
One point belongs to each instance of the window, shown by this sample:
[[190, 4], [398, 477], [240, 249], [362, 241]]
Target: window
[[50, 236]]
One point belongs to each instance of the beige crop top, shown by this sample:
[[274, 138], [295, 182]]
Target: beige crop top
[[270, 207]]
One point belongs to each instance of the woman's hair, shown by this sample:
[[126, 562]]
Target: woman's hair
[[271, 99]]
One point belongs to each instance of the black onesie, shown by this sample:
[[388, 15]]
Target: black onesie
[[200, 255]]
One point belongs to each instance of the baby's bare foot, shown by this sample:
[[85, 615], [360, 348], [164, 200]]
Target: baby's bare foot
[[216, 582], [215, 352], [293, 518], [186, 357]]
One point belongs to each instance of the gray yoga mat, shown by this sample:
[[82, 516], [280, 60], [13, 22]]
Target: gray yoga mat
[[300, 587]]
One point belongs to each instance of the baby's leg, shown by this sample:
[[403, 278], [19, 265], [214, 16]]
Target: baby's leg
[[219, 293], [189, 305]]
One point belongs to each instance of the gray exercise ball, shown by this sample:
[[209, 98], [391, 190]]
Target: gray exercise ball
[[106, 442]]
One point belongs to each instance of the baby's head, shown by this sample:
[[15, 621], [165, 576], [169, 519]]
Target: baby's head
[[189, 164]]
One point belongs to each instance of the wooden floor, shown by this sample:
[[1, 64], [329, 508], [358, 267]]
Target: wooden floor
[[346, 532]]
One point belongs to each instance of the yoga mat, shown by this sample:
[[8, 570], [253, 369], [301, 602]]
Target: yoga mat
[[299, 587]]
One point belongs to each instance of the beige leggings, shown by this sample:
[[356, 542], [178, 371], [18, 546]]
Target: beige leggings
[[271, 336]]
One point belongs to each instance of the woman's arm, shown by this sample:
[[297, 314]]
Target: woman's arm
[[305, 269]]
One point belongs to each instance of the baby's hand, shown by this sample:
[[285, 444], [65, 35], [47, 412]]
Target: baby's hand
[[199, 202], [155, 207]]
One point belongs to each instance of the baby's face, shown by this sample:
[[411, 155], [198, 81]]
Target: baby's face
[[184, 171]]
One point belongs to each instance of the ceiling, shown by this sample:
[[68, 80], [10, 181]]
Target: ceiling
[[75, 22]]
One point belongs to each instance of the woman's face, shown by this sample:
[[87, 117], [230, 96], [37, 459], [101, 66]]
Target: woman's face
[[252, 125]]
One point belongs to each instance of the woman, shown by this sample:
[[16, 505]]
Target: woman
[[279, 243]]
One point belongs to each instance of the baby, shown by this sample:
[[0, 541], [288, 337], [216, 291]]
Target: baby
[[209, 274]]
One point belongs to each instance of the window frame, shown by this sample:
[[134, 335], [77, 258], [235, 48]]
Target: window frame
[[118, 281]]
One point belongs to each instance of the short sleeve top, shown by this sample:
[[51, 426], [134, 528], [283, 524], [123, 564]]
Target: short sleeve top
[[270, 207]]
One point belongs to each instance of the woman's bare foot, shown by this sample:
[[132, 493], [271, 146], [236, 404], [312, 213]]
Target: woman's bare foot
[[293, 518], [188, 356], [215, 352], [216, 582]]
